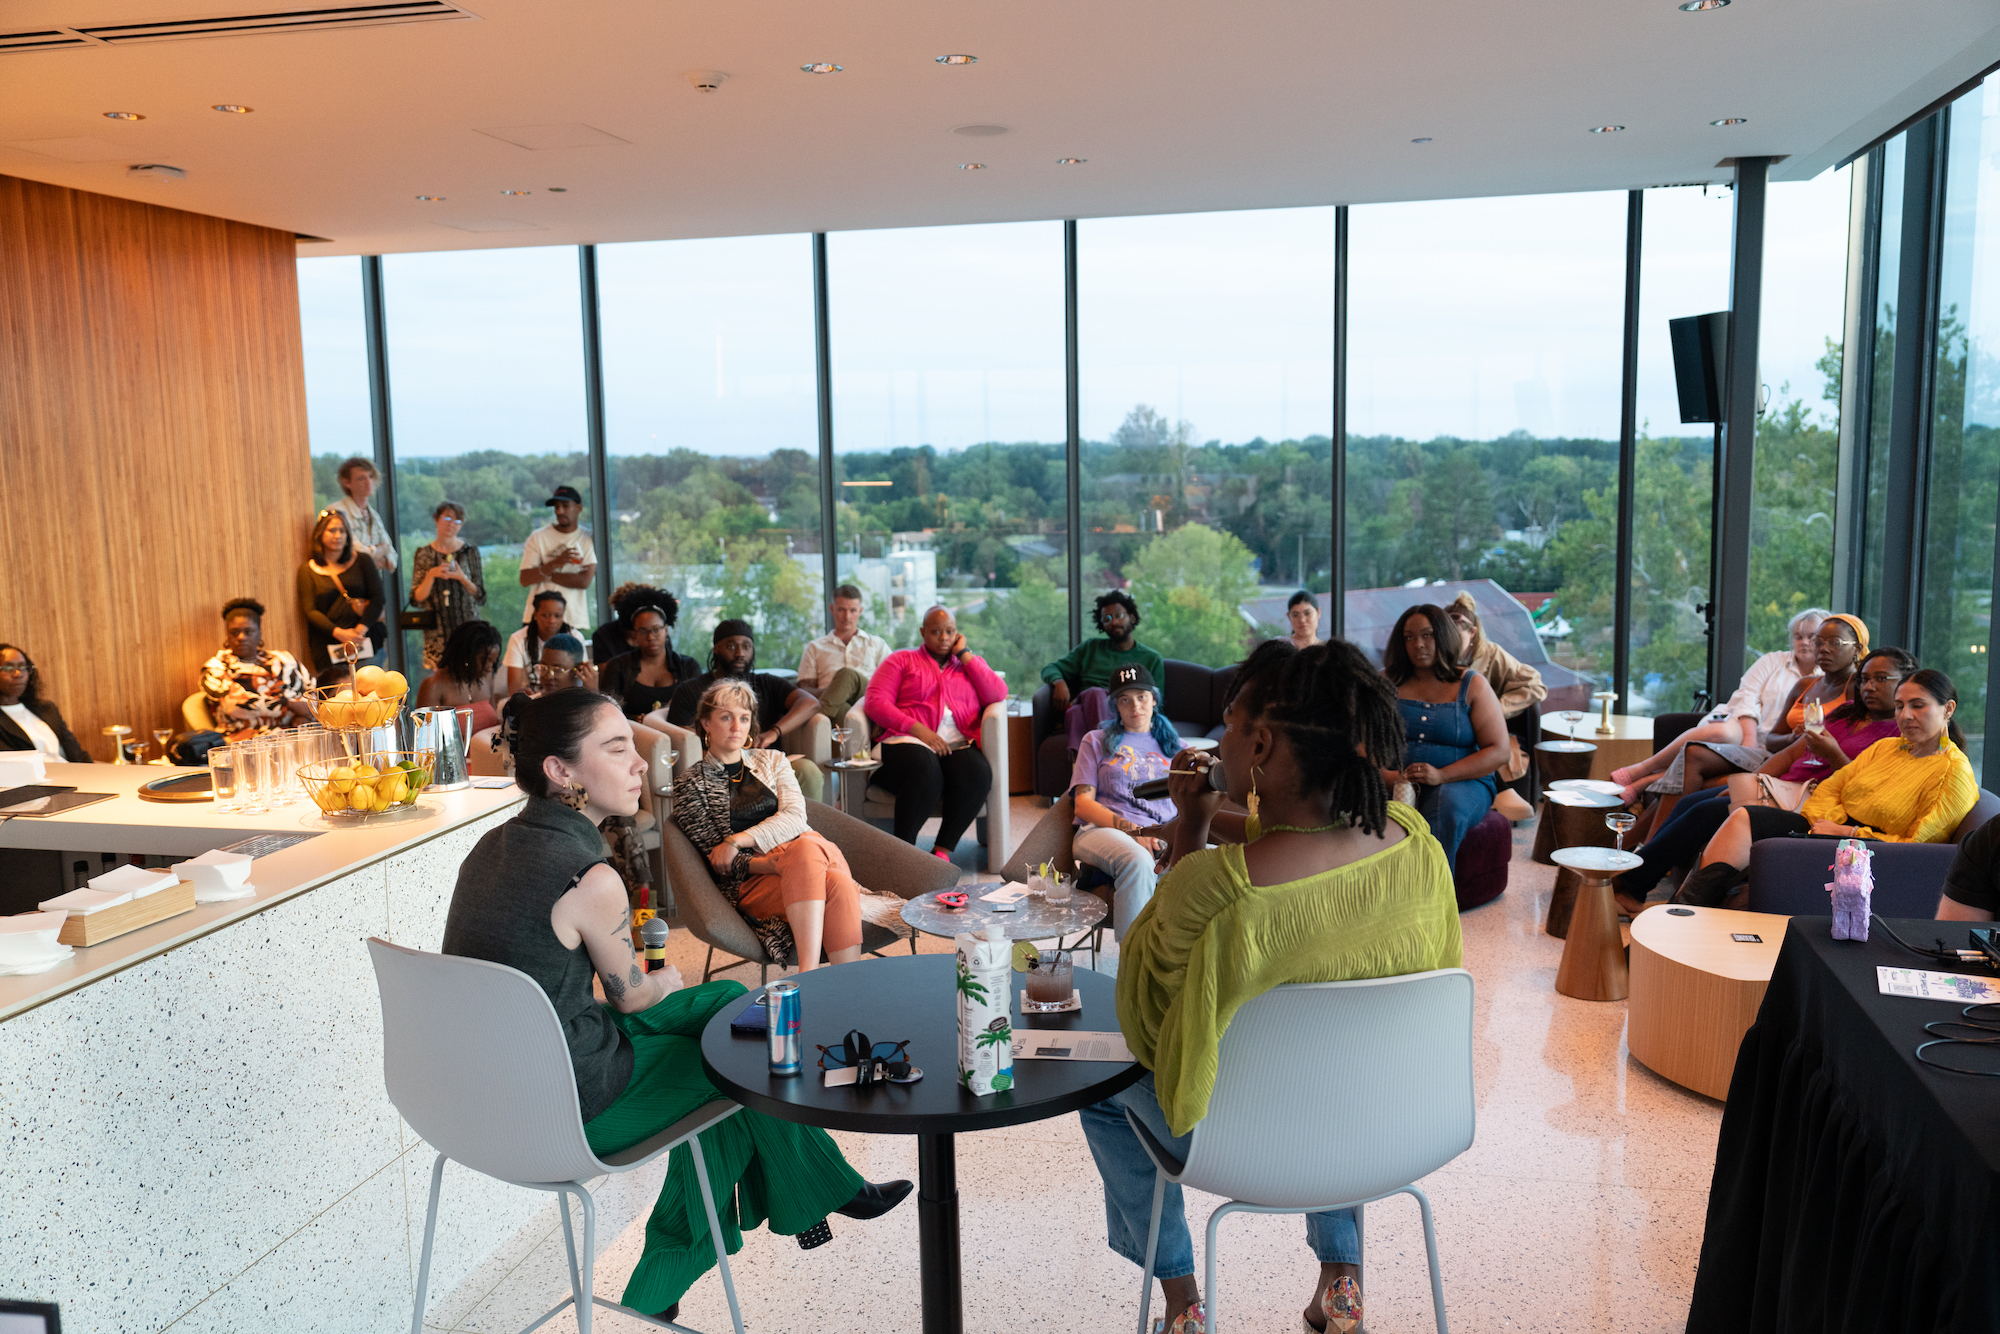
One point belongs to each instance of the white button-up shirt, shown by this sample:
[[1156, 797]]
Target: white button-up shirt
[[827, 655]]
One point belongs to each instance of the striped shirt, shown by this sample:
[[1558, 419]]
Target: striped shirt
[[1888, 794]]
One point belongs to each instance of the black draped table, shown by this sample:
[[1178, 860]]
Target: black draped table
[[1855, 1188], [916, 997]]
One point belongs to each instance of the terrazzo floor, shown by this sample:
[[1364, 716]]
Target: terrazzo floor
[[1579, 1206]]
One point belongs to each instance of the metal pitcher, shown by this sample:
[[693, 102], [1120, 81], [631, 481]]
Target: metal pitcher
[[447, 734]]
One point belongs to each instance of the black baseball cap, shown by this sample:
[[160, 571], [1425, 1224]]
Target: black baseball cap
[[565, 493], [1131, 675]]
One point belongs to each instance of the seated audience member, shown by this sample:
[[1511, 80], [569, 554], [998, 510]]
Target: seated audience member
[[614, 637], [927, 704], [1913, 789], [1784, 781], [1454, 737], [524, 646], [1134, 745], [27, 721], [535, 894], [645, 674], [1972, 886], [1303, 613], [449, 581], [1514, 683], [1078, 679], [340, 597], [742, 810], [836, 666], [251, 688], [467, 675], [781, 706], [1755, 711], [1337, 883]]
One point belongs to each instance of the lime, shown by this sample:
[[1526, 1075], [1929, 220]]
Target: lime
[[1027, 955]]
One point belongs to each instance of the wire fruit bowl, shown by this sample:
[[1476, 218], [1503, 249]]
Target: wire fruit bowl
[[377, 783]]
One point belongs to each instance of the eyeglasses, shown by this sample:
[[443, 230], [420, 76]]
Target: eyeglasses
[[15, 668], [1881, 678]]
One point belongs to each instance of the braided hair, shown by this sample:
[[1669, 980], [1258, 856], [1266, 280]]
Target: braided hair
[[1340, 715]]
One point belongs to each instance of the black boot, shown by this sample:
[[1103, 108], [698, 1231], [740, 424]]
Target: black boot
[[1710, 885], [872, 1201]]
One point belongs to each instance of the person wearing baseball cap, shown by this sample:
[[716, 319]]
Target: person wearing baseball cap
[[1134, 745], [559, 557], [781, 705]]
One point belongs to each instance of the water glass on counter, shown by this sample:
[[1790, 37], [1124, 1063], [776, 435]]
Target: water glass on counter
[[250, 764], [222, 776]]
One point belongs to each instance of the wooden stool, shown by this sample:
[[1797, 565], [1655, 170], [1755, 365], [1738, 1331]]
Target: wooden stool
[[1593, 963], [1696, 989], [1563, 759]]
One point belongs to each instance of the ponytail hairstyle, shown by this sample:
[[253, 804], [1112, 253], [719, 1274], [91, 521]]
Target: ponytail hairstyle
[[1852, 707], [1939, 687], [1340, 716], [556, 724], [531, 647], [1396, 664]]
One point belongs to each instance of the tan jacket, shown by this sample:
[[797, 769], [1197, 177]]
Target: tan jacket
[[1517, 684]]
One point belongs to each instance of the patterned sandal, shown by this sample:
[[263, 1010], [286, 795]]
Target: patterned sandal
[[1194, 1320], [1341, 1305]]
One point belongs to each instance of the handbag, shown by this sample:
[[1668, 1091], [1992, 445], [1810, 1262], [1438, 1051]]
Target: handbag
[[416, 618]]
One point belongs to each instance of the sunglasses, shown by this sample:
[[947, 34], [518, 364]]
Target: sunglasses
[[889, 1060]]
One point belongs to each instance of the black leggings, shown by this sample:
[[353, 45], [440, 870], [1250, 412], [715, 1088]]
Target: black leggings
[[923, 782]]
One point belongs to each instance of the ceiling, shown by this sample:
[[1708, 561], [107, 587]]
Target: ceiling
[[1176, 106]]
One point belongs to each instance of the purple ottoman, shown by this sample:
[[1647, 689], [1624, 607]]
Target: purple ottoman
[[1483, 857]]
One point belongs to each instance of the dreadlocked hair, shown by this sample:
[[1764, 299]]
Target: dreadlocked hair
[[1340, 715]]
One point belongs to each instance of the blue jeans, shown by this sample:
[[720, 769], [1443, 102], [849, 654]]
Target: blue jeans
[[1129, 866], [1128, 1189]]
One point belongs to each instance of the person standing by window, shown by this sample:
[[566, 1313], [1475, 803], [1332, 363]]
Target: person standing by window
[[251, 688], [449, 580], [340, 594], [560, 558], [371, 536]]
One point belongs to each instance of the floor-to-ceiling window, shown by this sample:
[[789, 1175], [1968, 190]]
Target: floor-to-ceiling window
[[486, 393], [1206, 350], [949, 434], [1965, 433], [1483, 401], [1888, 247], [336, 366], [712, 433]]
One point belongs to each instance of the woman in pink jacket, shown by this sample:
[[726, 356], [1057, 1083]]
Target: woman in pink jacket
[[926, 702]]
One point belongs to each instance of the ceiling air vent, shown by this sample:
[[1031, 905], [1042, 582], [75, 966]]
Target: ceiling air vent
[[232, 25]]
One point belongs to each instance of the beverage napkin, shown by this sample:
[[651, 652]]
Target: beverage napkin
[[217, 877], [134, 881]]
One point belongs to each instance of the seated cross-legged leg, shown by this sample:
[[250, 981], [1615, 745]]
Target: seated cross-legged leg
[[810, 884], [1130, 867]]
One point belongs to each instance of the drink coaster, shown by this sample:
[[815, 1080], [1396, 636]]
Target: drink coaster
[[1070, 1006]]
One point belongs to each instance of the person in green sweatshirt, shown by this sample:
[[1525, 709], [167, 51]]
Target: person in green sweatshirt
[[1079, 679]]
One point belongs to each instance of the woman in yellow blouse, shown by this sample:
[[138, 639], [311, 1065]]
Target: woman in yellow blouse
[[1913, 788]]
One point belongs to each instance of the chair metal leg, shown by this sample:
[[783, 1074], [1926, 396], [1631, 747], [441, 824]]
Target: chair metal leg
[[1431, 1252], [1152, 1247], [708, 968], [430, 1234], [715, 1232], [1208, 1291], [586, 1305], [576, 1286]]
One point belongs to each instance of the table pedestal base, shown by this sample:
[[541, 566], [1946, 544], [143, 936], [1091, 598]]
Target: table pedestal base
[[1593, 963], [937, 1234]]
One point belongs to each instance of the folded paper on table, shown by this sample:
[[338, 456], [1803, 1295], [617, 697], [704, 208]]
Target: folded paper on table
[[28, 940], [81, 901], [32, 922], [21, 769], [214, 871], [1031, 1044], [1011, 892], [134, 880], [1937, 986], [223, 893], [38, 965]]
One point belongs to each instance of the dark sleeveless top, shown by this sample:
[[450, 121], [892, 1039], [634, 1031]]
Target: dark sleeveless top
[[500, 909], [750, 802]]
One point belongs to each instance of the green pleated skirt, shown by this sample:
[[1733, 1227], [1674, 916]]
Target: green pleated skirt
[[762, 1169]]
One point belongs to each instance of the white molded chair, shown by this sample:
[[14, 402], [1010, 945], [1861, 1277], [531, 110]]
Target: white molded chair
[[1329, 1095], [474, 1058]]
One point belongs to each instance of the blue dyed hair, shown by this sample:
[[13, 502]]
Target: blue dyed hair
[[565, 643], [1164, 734]]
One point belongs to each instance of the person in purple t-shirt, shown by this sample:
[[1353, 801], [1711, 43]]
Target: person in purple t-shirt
[[1132, 747]]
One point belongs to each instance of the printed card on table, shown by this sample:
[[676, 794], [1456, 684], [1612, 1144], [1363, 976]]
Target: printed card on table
[[1937, 986], [1050, 1044]]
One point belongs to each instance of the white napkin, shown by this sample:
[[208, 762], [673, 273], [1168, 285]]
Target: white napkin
[[215, 872], [135, 881], [81, 901], [223, 893], [42, 965], [22, 768], [32, 921]]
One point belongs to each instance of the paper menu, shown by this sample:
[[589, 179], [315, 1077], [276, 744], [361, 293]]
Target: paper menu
[[1011, 892], [1937, 986], [1047, 1044]]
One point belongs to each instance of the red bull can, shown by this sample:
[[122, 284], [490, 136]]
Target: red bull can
[[782, 1013]]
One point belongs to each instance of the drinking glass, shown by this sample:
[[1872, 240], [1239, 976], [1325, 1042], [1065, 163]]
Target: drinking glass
[[1572, 717], [1620, 823], [1050, 982], [1060, 889], [840, 736], [281, 777], [1815, 718], [161, 736], [249, 777], [222, 777]]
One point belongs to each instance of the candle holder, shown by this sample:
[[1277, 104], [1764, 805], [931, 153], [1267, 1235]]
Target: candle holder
[[1604, 700]]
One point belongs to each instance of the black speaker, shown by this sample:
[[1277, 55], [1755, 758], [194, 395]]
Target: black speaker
[[1701, 342]]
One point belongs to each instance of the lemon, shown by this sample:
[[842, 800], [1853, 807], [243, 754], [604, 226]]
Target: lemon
[[389, 792], [361, 799], [364, 771], [393, 683], [368, 681], [341, 779]]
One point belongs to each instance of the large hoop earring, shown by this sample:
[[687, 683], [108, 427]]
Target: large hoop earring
[[573, 797]]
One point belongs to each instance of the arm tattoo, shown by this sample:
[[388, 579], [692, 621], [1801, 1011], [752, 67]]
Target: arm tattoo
[[614, 987]]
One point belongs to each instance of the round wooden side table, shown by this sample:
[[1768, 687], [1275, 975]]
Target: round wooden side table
[[1593, 963], [1698, 976]]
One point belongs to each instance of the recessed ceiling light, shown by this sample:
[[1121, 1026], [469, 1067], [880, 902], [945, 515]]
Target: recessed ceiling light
[[1703, 6], [1071, 161], [123, 115], [558, 189], [517, 192], [430, 199], [1606, 129], [1731, 120], [821, 67], [1426, 139], [233, 109], [972, 166], [958, 60]]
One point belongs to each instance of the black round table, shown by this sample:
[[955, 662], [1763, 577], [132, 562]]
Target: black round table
[[914, 997]]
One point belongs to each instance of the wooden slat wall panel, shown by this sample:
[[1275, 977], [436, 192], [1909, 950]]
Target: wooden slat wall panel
[[153, 446]]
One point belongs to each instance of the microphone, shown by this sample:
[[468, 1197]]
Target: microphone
[[1148, 791]]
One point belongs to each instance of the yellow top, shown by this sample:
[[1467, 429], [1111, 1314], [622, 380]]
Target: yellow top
[[1887, 793], [1209, 941]]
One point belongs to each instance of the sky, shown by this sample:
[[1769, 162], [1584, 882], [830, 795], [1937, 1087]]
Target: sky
[[1472, 318]]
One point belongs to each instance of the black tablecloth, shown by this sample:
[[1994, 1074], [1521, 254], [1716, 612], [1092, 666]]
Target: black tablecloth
[[1855, 1189]]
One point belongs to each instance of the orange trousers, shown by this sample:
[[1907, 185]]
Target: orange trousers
[[809, 867]]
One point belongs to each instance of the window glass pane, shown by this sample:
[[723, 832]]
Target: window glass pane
[[1882, 380], [1965, 442], [1483, 407], [1207, 399], [336, 357], [949, 434], [1798, 433], [712, 430], [486, 394], [1684, 271]]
